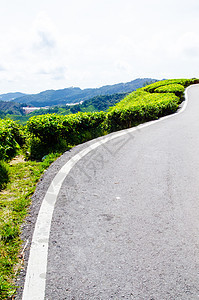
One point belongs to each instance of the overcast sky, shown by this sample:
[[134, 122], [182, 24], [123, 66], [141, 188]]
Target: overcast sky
[[53, 44]]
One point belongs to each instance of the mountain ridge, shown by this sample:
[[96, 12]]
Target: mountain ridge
[[11, 96], [75, 94]]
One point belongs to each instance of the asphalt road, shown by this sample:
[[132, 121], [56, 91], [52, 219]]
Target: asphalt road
[[126, 219]]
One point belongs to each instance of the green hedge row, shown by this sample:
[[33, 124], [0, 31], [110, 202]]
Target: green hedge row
[[139, 107], [4, 175], [148, 103], [11, 137], [53, 132], [175, 88], [184, 82]]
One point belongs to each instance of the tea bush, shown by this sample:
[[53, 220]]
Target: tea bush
[[175, 88], [4, 174], [51, 132], [140, 106], [148, 103], [11, 138], [185, 82]]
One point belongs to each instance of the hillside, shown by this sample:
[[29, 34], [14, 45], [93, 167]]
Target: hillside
[[75, 94], [99, 103], [10, 108], [11, 96]]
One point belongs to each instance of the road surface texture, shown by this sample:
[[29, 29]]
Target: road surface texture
[[126, 219]]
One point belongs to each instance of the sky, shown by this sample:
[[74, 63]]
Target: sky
[[55, 44]]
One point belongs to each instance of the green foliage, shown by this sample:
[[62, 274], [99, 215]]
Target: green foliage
[[22, 120], [170, 88], [53, 132], [47, 128], [185, 82], [4, 175], [148, 103], [11, 108], [101, 103], [37, 149], [139, 107], [175, 88], [11, 137]]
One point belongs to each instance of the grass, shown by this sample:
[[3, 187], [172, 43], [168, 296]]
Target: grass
[[14, 202]]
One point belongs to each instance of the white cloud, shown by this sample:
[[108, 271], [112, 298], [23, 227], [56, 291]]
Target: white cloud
[[45, 40], [55, 44], [2, 68], [187, 46], [43, 33]]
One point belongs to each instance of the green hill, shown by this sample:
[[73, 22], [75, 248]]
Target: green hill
[[11, 96], [10, 108], [76, 95]]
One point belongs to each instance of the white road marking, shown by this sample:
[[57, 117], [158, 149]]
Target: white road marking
[[35, 281]]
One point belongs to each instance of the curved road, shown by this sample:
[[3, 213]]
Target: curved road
[[126, 218]]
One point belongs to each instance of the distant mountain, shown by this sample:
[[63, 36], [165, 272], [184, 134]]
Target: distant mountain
[[75, 94], [11, 96]]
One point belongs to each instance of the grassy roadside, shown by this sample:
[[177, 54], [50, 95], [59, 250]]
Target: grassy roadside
[[14, 202]]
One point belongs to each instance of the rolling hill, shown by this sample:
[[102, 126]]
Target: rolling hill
[[75, 94], [11, 96]]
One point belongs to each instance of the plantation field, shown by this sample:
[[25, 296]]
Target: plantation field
[[44, 138]]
